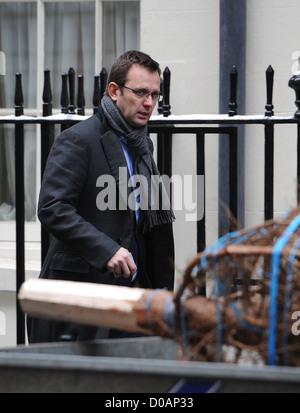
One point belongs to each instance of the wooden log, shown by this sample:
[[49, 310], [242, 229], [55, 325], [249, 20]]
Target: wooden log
[[248, 250], [92, 304], [132, 309]]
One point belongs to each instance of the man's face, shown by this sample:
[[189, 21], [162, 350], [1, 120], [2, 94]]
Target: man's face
[[135, 109]]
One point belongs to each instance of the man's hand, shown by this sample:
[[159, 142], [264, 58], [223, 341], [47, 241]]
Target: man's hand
[[122, 263]]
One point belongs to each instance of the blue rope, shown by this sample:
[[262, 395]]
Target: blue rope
[[232, 238], [243, 323], [183, 323], [168, 313], [217, 246], [148, 302], [287, 297], [218, 286], [183, 330], [275, 263], [237, 237]]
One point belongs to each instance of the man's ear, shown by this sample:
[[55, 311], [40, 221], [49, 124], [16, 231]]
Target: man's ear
[[113, 91]]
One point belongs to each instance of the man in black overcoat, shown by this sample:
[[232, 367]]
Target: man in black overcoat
[[103, 202]]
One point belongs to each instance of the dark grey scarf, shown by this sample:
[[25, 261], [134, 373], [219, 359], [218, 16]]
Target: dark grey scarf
[[157, 209]]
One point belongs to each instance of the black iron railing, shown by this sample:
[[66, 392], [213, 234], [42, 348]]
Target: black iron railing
[[164, 126]]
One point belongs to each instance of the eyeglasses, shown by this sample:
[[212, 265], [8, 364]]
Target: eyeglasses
[[144, 94]]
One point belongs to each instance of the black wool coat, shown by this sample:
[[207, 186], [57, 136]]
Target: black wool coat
[[84, 238]]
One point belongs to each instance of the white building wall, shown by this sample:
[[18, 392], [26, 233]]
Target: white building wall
[[272, 38], [184, 35], [7, 318]]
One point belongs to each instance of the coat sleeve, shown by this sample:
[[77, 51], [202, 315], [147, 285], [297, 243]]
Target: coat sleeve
[[63, 182]]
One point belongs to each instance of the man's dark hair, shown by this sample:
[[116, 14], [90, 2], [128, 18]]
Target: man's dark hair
[[121, 66]]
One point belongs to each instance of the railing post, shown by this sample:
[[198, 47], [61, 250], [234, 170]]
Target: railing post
[[71, 78], [233, 177], [47, 94], [294, 83], [96, 94], [201, 230], [166, 85], [269, 149], [269, 171], [80, 96], [164, 140], [270, 80], [47, 139], [164, 152], [160, 103], [103, 82], [64, 96], [233, 92], [20, 206], [298, 164], [100, 83], [201, 223]]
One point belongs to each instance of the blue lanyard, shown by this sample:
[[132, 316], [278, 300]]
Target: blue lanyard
[[131, 172]]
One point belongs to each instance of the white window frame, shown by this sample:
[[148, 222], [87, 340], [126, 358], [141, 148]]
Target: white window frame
[[32, 229], [41, 43]]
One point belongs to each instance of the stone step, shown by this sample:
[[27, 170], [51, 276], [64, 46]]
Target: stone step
[[8, 264], [32, 250], [8, 275]]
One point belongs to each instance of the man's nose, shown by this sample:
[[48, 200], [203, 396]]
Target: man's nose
[[149, 101]]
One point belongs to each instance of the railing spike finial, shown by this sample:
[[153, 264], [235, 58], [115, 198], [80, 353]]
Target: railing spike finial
[[160, 103], [19, 101], [71, 77], [294, 83], [80, 96], [47, 94], [96, 93], [64, 97], [233, 92], [103, 82], [166, 92], [270, 82]]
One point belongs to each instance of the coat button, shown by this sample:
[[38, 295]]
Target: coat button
[[119, 240]]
